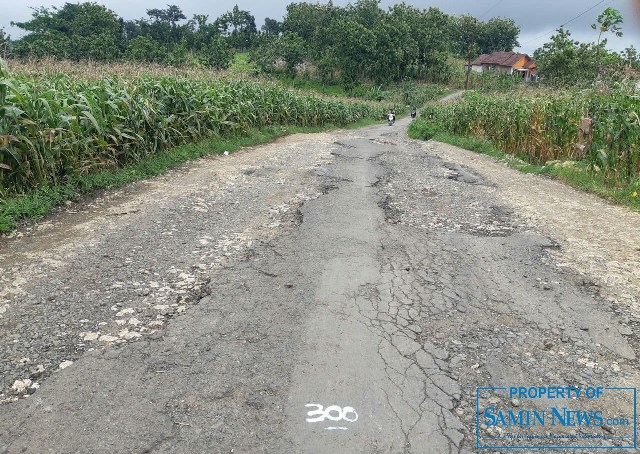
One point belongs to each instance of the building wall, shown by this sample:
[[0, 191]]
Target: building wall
[[520, 63]]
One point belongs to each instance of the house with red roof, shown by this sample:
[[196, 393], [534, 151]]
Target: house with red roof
[[511, 62]]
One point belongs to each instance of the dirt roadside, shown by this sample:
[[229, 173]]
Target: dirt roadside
[[596, 238]]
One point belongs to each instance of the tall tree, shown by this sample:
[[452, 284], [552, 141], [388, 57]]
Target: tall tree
[[353, 47], [609, 21], [566, 62], [5, 41], [75, 31], [499, 34], [215, 53], [239, 27], [425, 42], [146, 49], [311, 21], [631, 58], [292, 48], [171, 15], [271, 27], [207, 43], [163, 25], [468, 34]]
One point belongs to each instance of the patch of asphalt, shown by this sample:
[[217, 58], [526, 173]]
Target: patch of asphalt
[[471, 293]]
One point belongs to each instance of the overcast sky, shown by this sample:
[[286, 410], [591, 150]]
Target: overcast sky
[[537, 18]]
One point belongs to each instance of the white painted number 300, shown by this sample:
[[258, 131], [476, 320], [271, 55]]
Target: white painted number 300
[[332, 413]]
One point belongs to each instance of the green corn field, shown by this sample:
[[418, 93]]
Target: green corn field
[[544, 126], [54, 127]]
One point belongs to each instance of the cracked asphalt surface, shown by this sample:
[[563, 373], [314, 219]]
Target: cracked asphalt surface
[[338, 292]]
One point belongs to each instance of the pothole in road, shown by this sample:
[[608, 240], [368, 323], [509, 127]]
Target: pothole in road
[[391, 213], [328, 187], [345, 145], [498, 224], [463, 174]]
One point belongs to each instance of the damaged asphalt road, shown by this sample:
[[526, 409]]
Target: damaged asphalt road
[[339, 292]]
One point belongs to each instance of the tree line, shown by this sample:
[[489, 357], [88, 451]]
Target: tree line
[[358, 41], [346, 44], [362, 40], [565, 61]]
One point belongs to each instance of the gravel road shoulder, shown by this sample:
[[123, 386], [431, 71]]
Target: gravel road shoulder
[[595, 238], [119, 267]]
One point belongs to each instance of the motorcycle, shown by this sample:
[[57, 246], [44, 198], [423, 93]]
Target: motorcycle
[[391, 119]]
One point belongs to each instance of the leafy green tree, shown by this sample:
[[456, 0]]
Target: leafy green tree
[[289, 48], [366, 12], [163, 25], [292, 48], [145, 48], [171, 15], [201, 32], [435, 45], [565, 62], [403, 24], [558, 59], [75, 31], [499, 34], [311, 21], [47, 43], [238, 27], [272, 27], [609, 21], [353, 46], [265, 53], [426, 42], [174, 39], [215, 53], [468, 34], [401, 42], [5, 42]]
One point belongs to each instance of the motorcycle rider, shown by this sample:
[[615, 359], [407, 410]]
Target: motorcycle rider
[[391, 116]]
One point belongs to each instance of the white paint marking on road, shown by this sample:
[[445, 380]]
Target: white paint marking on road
[[332, 413]]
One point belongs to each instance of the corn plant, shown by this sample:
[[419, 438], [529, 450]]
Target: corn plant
[[544, 126], [54, 127]]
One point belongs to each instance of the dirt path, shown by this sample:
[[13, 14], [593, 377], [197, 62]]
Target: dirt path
[[452, 97], [337, 292]]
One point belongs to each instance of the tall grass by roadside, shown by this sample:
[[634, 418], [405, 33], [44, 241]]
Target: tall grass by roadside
[[544, 127], [575, 173], [53, 128], [543, 144]]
